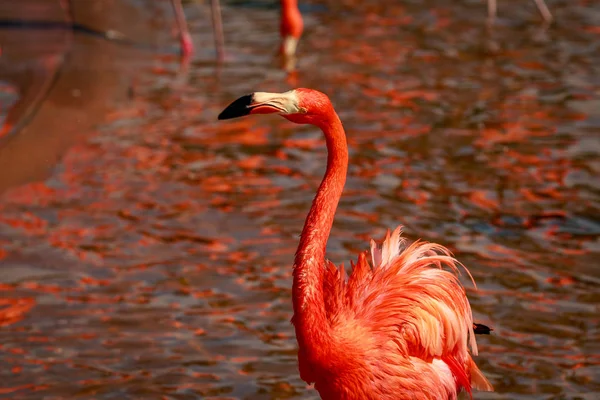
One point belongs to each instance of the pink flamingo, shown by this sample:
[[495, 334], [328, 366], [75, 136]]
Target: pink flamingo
[[399, 329], [290, 27]]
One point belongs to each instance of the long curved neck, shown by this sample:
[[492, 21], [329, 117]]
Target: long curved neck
[[312, 329]]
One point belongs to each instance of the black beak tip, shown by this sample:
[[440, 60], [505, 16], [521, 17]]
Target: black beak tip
[[238, 108]]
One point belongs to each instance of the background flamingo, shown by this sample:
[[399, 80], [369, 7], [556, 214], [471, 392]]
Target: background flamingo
[[291, 27], [398, 329]]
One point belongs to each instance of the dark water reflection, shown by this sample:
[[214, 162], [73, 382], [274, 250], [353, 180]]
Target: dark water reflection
[[153, 259]]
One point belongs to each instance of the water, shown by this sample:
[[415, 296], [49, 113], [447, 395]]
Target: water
[[146, 248]]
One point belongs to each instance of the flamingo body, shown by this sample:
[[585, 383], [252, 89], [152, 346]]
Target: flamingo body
[[399, 327], [402, 327]]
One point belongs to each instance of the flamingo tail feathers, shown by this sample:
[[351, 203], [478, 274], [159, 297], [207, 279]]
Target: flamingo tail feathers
[[478, 381]]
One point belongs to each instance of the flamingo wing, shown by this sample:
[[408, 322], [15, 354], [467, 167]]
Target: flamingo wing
[[409, 300]]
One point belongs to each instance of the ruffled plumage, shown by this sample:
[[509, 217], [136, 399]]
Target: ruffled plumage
[[407, 318]]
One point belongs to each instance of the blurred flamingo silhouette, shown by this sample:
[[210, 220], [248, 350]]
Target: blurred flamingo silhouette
[[291, 27], [541, 5], [396, 329]]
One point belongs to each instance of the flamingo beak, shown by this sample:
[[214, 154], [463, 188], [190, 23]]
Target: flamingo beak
[[238, 108], [261, 103]]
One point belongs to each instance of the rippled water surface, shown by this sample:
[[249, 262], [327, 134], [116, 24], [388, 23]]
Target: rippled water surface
[[146, 249]]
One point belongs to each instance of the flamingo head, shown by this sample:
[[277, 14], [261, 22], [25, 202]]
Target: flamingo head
[[302, 106]]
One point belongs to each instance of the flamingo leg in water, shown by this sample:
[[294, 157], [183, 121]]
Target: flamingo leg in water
[[541, 5], [218, 29], [492, 10], [187, 46]]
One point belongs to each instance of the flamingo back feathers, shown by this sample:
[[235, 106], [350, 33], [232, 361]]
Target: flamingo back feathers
[[406, 298]]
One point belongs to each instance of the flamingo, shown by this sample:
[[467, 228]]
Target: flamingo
[[399, 328], [291, 26], [541, 5]]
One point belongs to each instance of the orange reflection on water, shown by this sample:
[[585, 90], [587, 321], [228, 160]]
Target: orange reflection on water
[[13, 310]]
